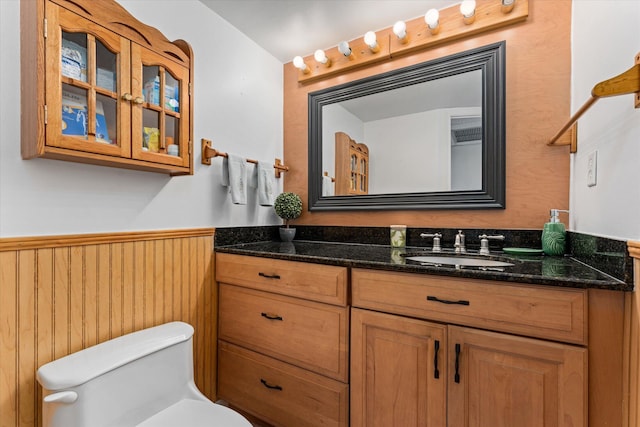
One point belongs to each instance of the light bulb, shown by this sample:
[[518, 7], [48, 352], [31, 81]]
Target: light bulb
[[344, 48], [400, 30], [321, 57], [371, 41], [468, 11], [432, 18], [299, 63]]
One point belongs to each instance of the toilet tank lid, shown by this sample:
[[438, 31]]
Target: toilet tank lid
[[85, 365]]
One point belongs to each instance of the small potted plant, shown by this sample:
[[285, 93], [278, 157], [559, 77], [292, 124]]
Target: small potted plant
[[288, 206]]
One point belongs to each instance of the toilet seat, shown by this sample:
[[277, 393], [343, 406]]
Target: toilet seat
[[196, 413]]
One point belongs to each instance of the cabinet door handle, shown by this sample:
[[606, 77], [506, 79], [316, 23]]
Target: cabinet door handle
[[456, 377], [138, 100], [127, 97], [271, 316], [444, 301], [269, 276], [272, 387], [436, 347]]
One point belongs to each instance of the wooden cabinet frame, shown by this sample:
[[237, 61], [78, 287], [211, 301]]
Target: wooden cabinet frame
[[40, 65]]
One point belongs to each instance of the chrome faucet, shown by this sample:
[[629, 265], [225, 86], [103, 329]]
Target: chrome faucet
[[459, 245], [436, 240], [484, 242]]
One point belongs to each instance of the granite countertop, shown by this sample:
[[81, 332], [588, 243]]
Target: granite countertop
[[564, 271]]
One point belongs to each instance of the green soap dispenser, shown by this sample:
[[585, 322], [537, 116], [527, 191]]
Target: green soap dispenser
[[554, 234]]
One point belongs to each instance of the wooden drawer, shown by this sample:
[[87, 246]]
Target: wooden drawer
[[323, 283], [543, 312], [307, 334], [279, 393]]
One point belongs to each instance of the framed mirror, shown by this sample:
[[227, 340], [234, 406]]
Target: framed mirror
[[427, 136]]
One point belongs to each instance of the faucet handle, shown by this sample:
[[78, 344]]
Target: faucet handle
[[484, 242], [436, 240]]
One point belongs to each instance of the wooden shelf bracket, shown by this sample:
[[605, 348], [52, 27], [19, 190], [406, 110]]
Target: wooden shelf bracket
[[208, 153], [622, 84]]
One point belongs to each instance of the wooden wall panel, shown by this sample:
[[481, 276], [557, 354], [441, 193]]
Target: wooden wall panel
[[538, 89], [64, 293], [632, 345]]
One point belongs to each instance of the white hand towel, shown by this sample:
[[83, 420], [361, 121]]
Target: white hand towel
[[234, 176], [252, 174], [327, 186], [266, 184]]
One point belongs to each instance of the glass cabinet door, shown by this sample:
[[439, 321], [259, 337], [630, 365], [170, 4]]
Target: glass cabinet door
[[160, 115], [84, 110]]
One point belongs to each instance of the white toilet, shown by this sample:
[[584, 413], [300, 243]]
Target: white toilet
[[143, 379]]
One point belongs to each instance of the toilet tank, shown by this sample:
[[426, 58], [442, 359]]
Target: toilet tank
[[120, 382]]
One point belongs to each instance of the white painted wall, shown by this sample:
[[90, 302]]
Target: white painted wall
[[238, 105], [336, 118], [606, 38], [423, 166]]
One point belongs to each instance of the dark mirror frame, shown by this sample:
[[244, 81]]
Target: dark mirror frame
[[491, 60]]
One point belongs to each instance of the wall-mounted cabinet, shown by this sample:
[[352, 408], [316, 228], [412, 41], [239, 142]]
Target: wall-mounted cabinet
[[100, 87]]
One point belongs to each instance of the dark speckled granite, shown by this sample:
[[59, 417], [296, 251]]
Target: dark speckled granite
[[608, 255], [234, 235], [367, 247]]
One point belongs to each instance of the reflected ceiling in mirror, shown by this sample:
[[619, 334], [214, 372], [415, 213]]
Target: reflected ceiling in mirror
[[433, 134]]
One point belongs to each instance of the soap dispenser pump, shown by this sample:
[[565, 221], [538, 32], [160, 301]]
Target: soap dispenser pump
[[554, 234]]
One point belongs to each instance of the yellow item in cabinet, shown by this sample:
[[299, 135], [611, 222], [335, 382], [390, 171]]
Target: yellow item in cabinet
[[152, 139]]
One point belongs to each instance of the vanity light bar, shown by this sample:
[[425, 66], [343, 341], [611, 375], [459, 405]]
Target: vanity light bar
[[469, 18]]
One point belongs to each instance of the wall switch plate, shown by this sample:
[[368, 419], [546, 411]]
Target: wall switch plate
[[592, 169]]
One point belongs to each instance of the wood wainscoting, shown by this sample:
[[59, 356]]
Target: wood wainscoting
[[632, 344], [61, 294]]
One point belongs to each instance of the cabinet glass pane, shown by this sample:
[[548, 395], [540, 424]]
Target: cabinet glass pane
[[172, 132], [151, 87], [106, 119], [74, 111], [171, 93], [150, 131], [106, 71], [74, 55]]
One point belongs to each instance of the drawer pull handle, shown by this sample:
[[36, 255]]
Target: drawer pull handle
[[456, 377], [436, 372], [444, 301], [272, 387], [269, 276], [271, 316]]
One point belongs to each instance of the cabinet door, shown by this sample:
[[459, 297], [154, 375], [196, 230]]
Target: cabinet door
[[398, 371], [499, 380], [87, 69], [352, 165], [160, 111]]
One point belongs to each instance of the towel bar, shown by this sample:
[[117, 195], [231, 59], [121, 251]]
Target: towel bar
[[208, 153]]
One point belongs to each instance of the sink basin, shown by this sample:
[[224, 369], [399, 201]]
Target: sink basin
[[459, 261]]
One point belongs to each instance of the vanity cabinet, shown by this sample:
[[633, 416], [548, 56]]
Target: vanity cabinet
[[425, 356], [283, 349], [398, 371], [100, 87]]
